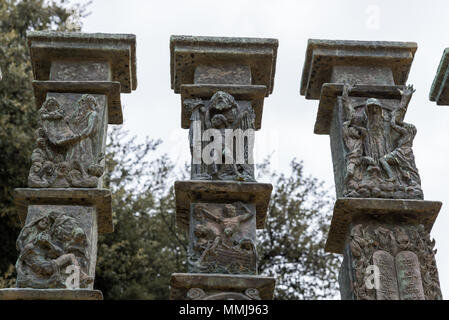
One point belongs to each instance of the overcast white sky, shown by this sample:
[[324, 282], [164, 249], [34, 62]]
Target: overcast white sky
[[287, 125]]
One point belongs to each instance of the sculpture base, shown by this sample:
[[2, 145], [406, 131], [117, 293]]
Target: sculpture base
[[201, 286], [49, 294]]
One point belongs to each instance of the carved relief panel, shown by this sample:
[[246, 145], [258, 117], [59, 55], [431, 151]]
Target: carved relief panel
[[405, 258], [222, 238], [373, 148], [55, 243], [221, 138], [70, 142]]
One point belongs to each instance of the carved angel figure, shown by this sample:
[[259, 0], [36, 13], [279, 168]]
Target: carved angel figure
[[222, 113]]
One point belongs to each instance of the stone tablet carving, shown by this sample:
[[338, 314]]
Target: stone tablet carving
[[69, 146], [409, 276], [223, 238], [378, 148], [54, 238], [224, 115], [388, 285], [415, 275]]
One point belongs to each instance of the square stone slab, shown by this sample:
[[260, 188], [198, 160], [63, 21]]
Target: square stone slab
[[253, 93], [98, 198], [109, 88], [323, 55], [188, 52], [349, 210], [331, 91], [216, 286], [119, 50], [439, 91], [187, 192], [50, 294]]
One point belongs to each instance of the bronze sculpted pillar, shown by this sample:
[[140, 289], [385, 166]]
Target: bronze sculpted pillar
[[381, 223], [439, 92], [223, 83], [78, 79]]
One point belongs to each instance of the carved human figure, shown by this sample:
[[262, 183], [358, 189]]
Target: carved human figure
[[378, 149], [42, 168], [402, 157], [377, 141], [222, 113], [53, 121], [218, 234], [353, 137], [64, 155], [42, 256], [230, 221], [84, 122], [196, 108]]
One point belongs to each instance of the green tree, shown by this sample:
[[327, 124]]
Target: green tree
[[291, 247], [17, 107], [136, 261]]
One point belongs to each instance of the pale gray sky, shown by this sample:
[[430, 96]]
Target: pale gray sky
[[287, 125]]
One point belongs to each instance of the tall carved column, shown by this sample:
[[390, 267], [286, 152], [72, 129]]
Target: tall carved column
[[439, 92], [77, 86], [222, 82], [380, 223]]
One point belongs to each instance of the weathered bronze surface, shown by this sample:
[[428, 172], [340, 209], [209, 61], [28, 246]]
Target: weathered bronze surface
[[364, 62], [100, 199], [196, 286], [376, 157], [222, 113], [188, 52], [50, 294], [92, 49], [110, 89], [363, 102], [439, 92], [70, 142], [405, 256], [243, 94], [223, 238], [53, 238], [349, 211], [188, 192], [241, 67], [363, 97], [388, 286], [223, 83], [78, 80]]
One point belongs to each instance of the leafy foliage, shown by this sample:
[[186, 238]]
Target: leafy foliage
[[291, 247], [136, 261]]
